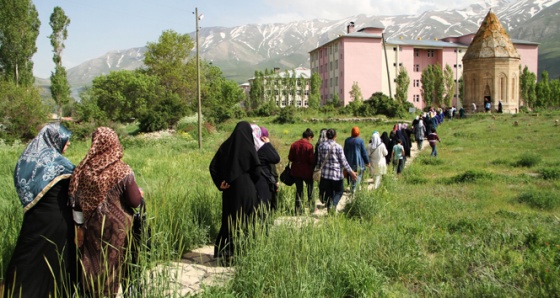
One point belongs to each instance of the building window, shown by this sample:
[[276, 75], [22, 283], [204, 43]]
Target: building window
[[416, 98], [416, 83], [416, 53], [395, 49], [431, 53], [298, 92], [299, 103], [305, 103], [416, 67], [276, 92]]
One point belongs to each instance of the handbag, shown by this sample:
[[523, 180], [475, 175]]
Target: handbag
[[286, 176], [141, 231], [317, 170]]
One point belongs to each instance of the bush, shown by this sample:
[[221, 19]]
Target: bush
[[471, 176], [152, 122], [22, 113], [286, 115], [528, 160], [541, 199], [550, 173]]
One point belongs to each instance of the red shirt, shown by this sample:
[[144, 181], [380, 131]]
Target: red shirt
[[302, 158]]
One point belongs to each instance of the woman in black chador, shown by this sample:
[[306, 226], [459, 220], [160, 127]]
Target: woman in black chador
[[235, 169]]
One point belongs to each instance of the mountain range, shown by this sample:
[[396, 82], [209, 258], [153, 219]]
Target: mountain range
[[239, 51]]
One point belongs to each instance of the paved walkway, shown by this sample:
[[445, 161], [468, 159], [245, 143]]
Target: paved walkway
[[198, 268]]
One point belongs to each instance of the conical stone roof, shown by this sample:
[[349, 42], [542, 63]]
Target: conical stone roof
[[491, 41]]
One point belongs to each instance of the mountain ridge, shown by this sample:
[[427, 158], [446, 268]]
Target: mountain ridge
[[241, 50]]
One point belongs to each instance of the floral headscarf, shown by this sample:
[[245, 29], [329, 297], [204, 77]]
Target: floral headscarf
[[41, 165], [257, 134]]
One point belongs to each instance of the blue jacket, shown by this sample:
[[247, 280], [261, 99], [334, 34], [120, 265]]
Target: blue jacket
[[355, 153]]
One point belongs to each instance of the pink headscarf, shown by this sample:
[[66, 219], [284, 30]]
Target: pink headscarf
[[257, 134]]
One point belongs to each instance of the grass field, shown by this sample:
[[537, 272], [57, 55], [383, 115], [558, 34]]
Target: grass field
[[483, 219]]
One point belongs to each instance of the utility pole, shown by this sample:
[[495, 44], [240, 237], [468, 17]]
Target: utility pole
[[198, 82]]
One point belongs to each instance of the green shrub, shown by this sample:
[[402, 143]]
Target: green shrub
[[528, 160], [550, 173], [541, 199], [365, 205], [428, 160], [472, 176], [287, 115]]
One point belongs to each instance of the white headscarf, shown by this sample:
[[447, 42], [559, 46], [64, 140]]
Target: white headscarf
[[375, 140], [257, 134]]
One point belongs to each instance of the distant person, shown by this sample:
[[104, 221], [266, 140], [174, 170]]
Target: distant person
[[461, 113], [356, 155], [332, 160], [268, 157], [500, 107], [433, 138], [43, 262], [398, 157], [487, 105], [235, 170], [419, 132], [303, 162], [376, 153], [474, 108]]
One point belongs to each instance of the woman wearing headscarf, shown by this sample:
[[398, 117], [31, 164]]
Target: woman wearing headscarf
[[43, 263], [268, 157], [322, 139], [104, 189], [235, 169], [356, 155], [377, 153], [419, 132]]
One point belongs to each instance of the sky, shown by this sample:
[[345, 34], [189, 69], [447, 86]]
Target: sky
[[98, 27]]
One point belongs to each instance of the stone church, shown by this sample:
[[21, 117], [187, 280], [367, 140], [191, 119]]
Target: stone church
[[491, 69]]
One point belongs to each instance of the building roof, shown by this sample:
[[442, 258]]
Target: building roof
[[491, 41], [428, 43]]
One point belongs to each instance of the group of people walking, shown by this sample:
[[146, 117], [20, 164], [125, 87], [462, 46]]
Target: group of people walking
[[77, 219]]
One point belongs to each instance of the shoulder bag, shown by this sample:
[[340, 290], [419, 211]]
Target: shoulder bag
[[317, 170], [286, 176]]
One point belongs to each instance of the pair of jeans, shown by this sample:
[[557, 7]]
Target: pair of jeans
[[332, 191], [398, 165], [353, 183], [299, 193], [434, 151]]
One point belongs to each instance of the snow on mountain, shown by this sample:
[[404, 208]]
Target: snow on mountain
[[239, 51]]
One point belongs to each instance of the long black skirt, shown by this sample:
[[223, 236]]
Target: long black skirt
[[44, 263]]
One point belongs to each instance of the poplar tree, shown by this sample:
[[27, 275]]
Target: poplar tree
[[403, 81], [19, 28], [449, 85], [60, 88]]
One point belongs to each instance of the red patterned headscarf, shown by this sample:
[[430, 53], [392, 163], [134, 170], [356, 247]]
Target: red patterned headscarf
[[99, 172]]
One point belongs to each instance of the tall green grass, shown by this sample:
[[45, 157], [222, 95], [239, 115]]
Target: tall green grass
[[473, 222]]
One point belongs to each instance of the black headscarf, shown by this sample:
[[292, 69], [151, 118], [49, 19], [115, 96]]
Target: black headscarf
[[237, 155], [388, 144]]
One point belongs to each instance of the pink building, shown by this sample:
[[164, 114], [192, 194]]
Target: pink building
[[363, 57]]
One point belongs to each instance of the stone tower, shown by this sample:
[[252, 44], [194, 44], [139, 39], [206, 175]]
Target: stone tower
[[491, 68]]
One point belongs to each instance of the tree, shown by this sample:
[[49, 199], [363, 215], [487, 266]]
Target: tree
[[427, 90], [60, 88], [19, 28], [528, 81], [555, 92], [167, 59], [543, 91], [314, 99], [357, 99], [124, 95], [449, 84], [221, 96], [403, 81], [21, 111], [256, 93], [433, 86]]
